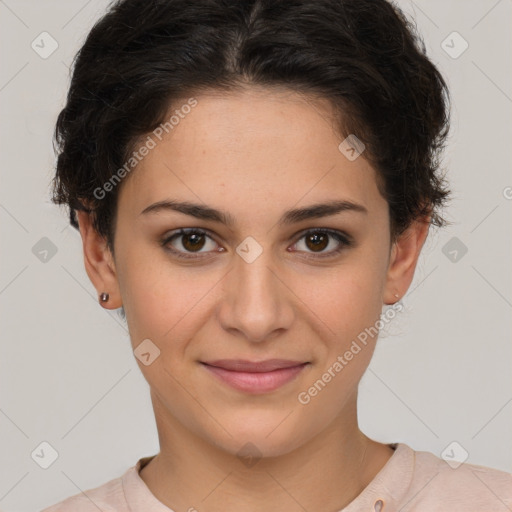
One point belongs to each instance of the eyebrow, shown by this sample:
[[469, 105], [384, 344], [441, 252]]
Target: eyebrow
[[202, 212]]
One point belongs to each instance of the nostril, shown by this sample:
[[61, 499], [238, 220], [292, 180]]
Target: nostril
[[378, 506]]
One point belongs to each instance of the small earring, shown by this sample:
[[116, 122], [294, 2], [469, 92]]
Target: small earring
[[396, 294], [104, 297]]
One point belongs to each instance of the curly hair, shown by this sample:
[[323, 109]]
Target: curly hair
[[363, 56]]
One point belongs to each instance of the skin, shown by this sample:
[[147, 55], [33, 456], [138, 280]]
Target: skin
[[254, 154]]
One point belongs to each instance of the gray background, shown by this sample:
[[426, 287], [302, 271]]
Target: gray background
[[441, 371]]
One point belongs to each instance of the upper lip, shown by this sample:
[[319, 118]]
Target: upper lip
[[241, 365]]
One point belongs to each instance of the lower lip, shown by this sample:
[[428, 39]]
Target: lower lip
[[252, 382]]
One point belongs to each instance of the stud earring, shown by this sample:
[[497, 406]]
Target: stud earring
[[104, 297]]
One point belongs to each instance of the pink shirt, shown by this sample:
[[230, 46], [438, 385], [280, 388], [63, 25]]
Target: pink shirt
[[410, 481]]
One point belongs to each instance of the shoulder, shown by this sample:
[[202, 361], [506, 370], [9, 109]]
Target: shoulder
[[108, 497], [439, 484]]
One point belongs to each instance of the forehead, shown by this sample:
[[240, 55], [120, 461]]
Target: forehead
[[249, 149]]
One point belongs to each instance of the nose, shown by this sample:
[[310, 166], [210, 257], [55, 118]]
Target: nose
[[256, 301]]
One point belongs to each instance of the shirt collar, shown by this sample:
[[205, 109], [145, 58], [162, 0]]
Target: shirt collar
[[384, 493], [387, 490]]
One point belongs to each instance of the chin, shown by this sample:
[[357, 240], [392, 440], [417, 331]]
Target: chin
[[261, 436]]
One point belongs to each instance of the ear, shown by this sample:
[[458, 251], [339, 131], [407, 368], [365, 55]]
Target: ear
[[99, 262], [403, 259]]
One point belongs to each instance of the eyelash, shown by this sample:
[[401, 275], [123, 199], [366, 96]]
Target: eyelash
[[344, 240]]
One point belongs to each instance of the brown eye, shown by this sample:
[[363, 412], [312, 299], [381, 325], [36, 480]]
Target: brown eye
[[185, 242], [317, 240], [193, 241]]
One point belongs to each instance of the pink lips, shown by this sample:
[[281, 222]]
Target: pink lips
[[255, 377]]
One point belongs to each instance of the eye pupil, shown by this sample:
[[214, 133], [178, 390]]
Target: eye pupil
[[320, 241], [197, 243], [193, 241]]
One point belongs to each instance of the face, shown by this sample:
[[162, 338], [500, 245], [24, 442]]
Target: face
[[268, 284]]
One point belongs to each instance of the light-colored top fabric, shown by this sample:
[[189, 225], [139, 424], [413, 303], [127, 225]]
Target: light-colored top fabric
[[410, 481]]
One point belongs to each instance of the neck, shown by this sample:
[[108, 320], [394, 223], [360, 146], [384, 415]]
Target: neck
[[325, 473]]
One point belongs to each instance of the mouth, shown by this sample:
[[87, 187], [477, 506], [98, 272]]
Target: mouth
[[255, 377]]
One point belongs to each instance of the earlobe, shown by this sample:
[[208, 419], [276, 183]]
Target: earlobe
[[404, 258], [99, 263]]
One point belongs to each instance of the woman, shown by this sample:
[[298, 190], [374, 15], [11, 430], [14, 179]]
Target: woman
[[252, 182]]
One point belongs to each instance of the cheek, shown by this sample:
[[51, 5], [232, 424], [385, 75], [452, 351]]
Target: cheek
[[348, 303], [345, 299], [163, 301]]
